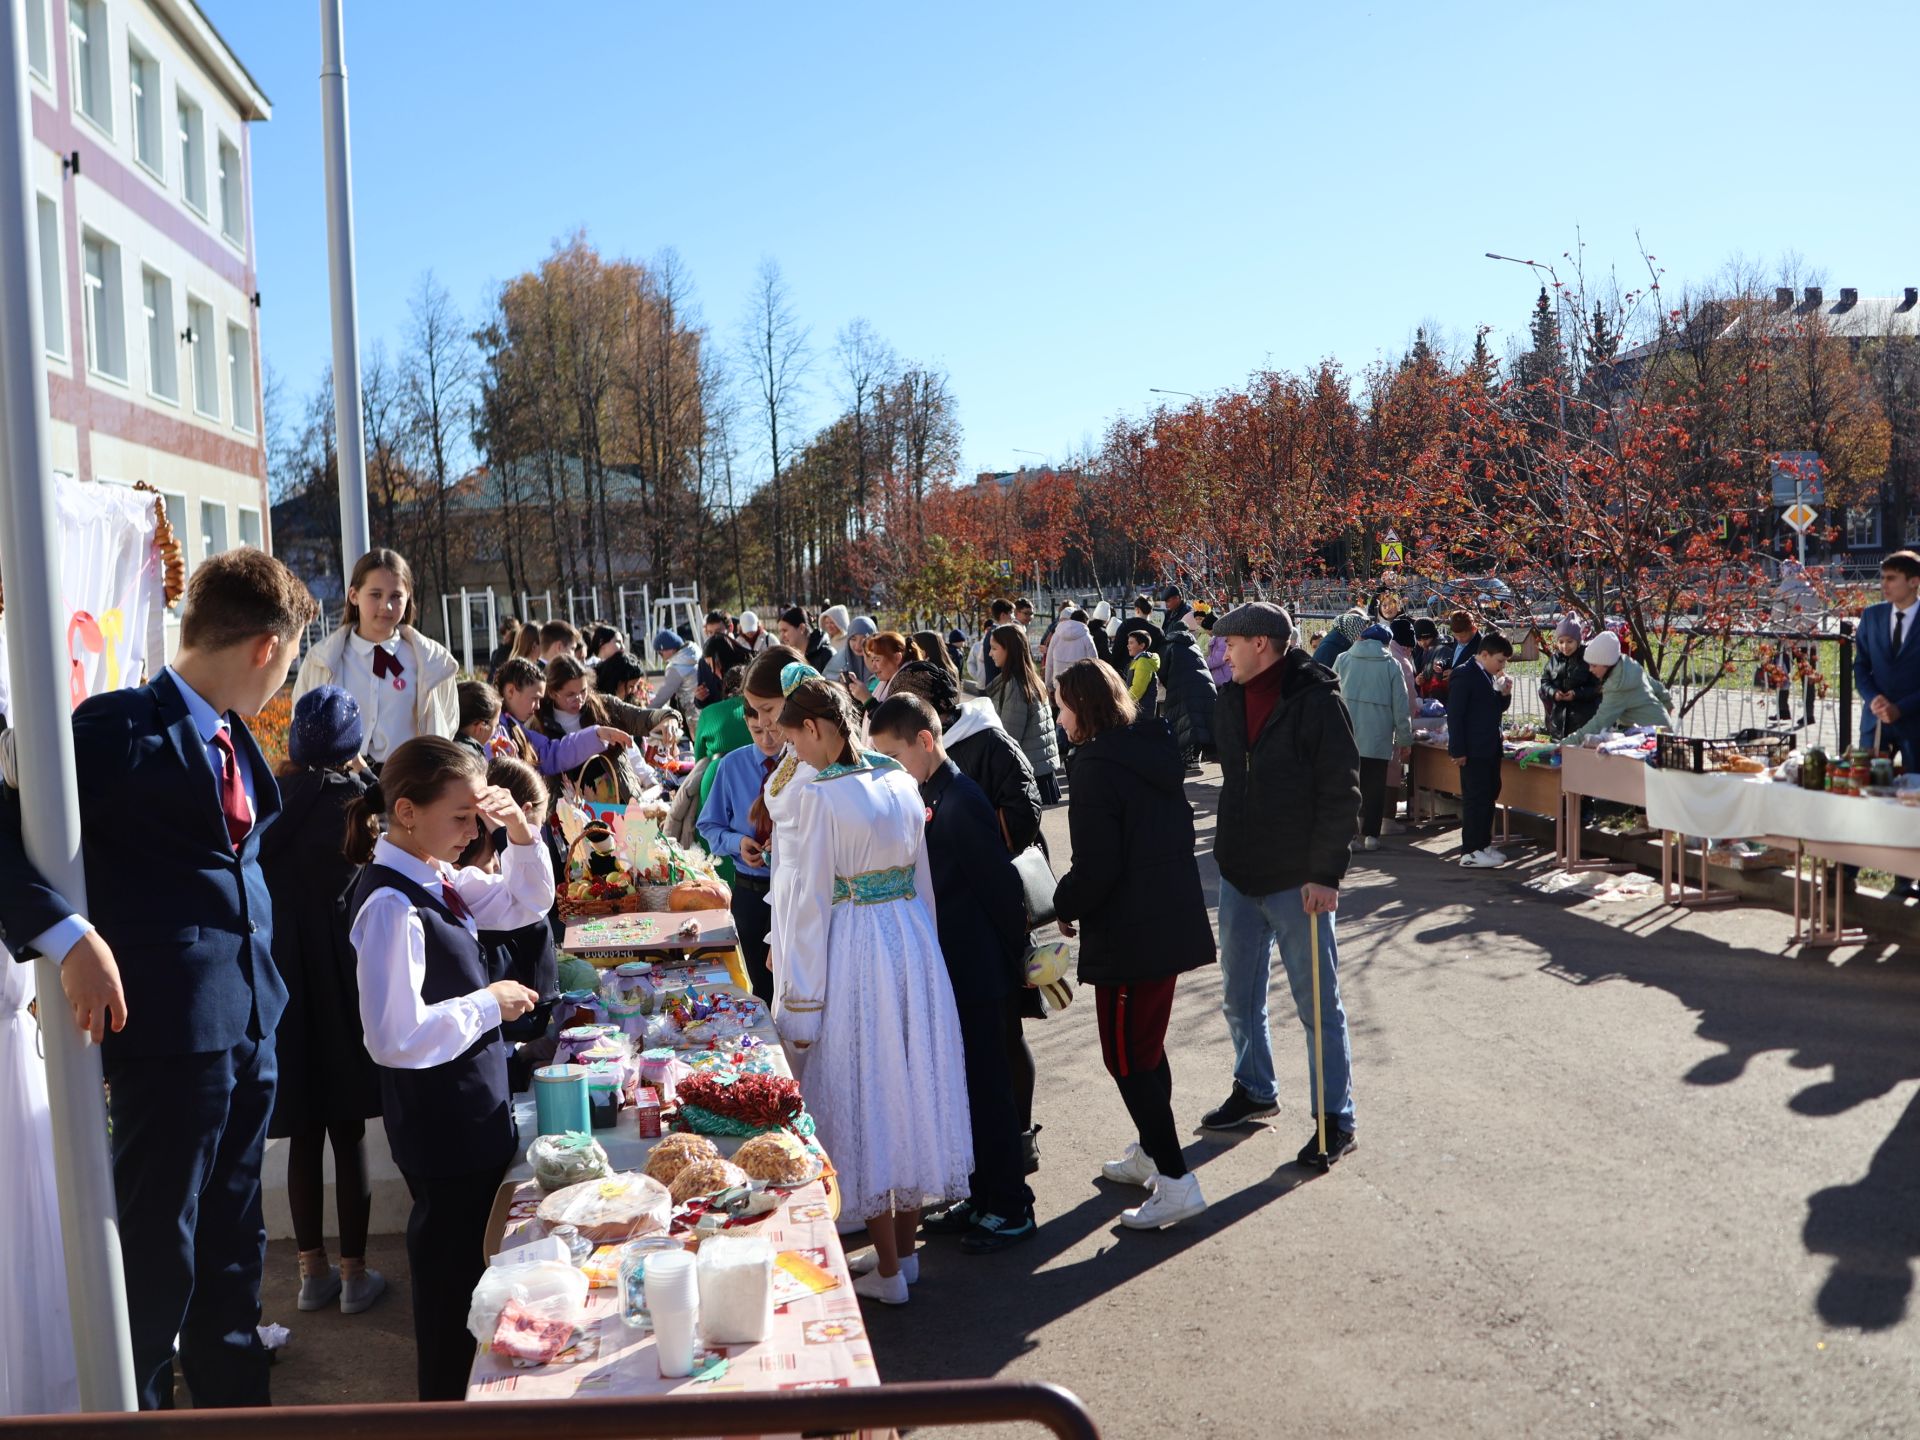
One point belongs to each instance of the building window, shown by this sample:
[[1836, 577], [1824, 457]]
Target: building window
[[250, 527], [203, 346], [53, 311], [233, 218], [240, 376], [213, 528], [39, 56], [1863, 526], [163, 368], [143, 93], [106, 308], [1913, 521], [177, 518], [193, 155], [87, 27]]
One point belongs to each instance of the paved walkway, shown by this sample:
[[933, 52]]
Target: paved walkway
[[1622, 1172]]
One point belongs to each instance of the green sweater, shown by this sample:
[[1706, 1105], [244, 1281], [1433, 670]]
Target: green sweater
[[1628, 696]]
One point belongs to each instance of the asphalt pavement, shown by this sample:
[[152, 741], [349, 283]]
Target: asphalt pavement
[[1623, 1171]]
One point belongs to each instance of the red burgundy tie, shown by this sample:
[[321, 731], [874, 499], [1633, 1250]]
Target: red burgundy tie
[[763, 832], [233, 790], [451, 897], [386, 665]]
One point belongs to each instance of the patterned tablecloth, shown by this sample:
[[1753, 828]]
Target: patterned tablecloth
[[817, 1341]]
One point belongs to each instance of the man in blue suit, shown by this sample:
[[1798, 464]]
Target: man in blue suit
[[174, 975], [1886, 661]]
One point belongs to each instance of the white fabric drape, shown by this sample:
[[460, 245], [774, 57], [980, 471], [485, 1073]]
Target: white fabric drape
[[36, 1338], [1726, 807]]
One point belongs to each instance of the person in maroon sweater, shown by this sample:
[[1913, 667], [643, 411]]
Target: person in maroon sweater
[[1289, 810]]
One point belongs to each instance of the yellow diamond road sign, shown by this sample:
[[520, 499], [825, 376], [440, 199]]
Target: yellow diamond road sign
[[1800, 516]]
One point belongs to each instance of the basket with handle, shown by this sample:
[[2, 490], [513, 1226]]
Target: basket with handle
[[575, 789]]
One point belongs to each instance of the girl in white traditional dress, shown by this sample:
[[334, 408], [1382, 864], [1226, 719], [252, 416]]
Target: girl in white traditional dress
[[861, 990]]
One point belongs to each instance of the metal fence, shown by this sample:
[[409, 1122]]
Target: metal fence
[[878, 1408]]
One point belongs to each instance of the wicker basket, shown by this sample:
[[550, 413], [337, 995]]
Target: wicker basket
[[642, 898]]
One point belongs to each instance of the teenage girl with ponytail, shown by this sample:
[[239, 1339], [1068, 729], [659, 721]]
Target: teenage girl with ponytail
[[432, 1021]]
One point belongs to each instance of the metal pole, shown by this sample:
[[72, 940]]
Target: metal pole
[[49, 803], [466, 631], [351, 442]]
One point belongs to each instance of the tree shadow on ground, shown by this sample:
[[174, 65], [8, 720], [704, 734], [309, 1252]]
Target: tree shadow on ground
[[1857, 1019]]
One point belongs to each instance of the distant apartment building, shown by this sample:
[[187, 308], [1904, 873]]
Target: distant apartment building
[[141, 171]]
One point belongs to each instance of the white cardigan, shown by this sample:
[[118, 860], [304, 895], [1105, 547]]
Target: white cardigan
[[436, 698]]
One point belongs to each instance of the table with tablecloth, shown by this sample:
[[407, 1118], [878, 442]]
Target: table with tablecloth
[[818, 1339], [1432, 771], [1829, 829]]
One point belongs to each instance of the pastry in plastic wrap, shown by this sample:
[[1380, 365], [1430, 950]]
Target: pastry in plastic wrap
[[676, 1152], [610, 1210], [706, 1177], [776, 1157], [531, 1334]]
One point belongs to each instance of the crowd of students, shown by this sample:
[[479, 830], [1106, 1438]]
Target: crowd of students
[[370, 929]]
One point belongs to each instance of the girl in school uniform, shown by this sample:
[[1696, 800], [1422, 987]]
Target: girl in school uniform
[[403, 682], [432, 1021]]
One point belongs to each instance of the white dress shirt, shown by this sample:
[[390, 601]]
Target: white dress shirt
[[403, 1032], [387, 715]]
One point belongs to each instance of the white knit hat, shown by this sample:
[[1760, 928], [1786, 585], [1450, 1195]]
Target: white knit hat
[[1604, 649], [838, 615], [1103, 612], [749, 622]]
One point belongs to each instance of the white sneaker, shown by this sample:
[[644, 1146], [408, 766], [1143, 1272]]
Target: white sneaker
[[1133, 1168], [359, 1290], [1483, 860], [887, 1289], [864, 1262], [317, 1292], [1371, 842], [1171, 1202]]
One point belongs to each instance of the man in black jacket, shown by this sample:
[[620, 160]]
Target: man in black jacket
[[982, 913], [980, 746], [1289, 809], [1140, 620]]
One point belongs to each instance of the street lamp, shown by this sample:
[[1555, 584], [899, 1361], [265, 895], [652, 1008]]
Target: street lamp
[[1156, 390]]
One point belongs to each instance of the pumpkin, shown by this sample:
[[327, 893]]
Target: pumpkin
[[699, 895]]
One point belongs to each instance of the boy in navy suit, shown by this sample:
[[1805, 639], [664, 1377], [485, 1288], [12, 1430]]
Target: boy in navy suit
[[1477, 696], [174, 976], [1886, 663], [980, 908]]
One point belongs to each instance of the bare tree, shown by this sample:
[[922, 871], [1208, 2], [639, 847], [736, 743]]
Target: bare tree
[[440, 371], [774, 346], [866, 362]]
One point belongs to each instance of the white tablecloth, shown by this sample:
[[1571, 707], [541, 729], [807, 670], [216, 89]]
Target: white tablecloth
[[1731, 807]]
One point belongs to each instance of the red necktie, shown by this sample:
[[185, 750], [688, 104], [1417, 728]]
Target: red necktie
[[386, 665], [233, 791], [451, 898]]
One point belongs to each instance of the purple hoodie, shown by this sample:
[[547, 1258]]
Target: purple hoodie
[[1217, 660], [556, 757]]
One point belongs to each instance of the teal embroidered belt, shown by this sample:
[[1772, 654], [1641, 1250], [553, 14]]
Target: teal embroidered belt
[[875, 887]]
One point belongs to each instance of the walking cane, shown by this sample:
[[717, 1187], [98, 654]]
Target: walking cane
[[1319, 1050]]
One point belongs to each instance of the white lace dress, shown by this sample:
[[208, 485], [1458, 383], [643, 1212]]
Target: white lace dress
[[858, 973]]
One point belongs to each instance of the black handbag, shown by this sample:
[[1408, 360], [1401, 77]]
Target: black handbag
[[1036, 880]]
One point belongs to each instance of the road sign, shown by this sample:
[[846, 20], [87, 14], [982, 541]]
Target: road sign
[[1005, 567], [1392, 552], [1800, 517]]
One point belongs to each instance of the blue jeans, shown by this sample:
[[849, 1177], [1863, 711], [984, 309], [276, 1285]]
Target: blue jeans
[[1249, 926]]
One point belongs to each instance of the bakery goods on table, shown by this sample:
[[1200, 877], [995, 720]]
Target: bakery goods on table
[[706, 1177], [674, 1153], [775, 1157]]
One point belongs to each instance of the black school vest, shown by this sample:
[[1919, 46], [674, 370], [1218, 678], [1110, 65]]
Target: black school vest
[[454, 1118]]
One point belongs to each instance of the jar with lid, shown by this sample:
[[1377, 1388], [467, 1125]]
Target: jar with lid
[[1813, 769], [578, 1246]]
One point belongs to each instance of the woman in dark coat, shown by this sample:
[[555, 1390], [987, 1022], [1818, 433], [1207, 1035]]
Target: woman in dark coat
[[328, 1085], [1135, 891], [1190, 693]]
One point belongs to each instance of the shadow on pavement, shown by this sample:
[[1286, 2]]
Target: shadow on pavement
[[1858, 1019]]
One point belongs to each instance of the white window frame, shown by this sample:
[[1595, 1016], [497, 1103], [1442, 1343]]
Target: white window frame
[[259, 526], [53, 275], [107, 298], [193, 149], [226, 530], [163, 349], [230, 188], [39, 46], [146, 102], [1913, 520], [240, 378], [1861, 517], [179, 523], [98, 66], [196, 347]]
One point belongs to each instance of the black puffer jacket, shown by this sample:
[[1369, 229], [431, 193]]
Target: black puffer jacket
[[1190, 692], [1568, 672], [1290, 802], [994, 761], [1134, 888]]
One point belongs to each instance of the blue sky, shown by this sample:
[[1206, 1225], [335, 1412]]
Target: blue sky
[[1066, 204]]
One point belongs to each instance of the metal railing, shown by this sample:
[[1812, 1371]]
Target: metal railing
[[786, 1412]]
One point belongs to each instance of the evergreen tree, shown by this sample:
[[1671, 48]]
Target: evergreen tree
[[1482, 362], [1604, 343]]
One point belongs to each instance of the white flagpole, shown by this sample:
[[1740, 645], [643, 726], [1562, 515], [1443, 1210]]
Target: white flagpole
[[30, 561], [350, 444]]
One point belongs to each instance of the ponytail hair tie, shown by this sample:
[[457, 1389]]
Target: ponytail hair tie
[[794, 675]]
